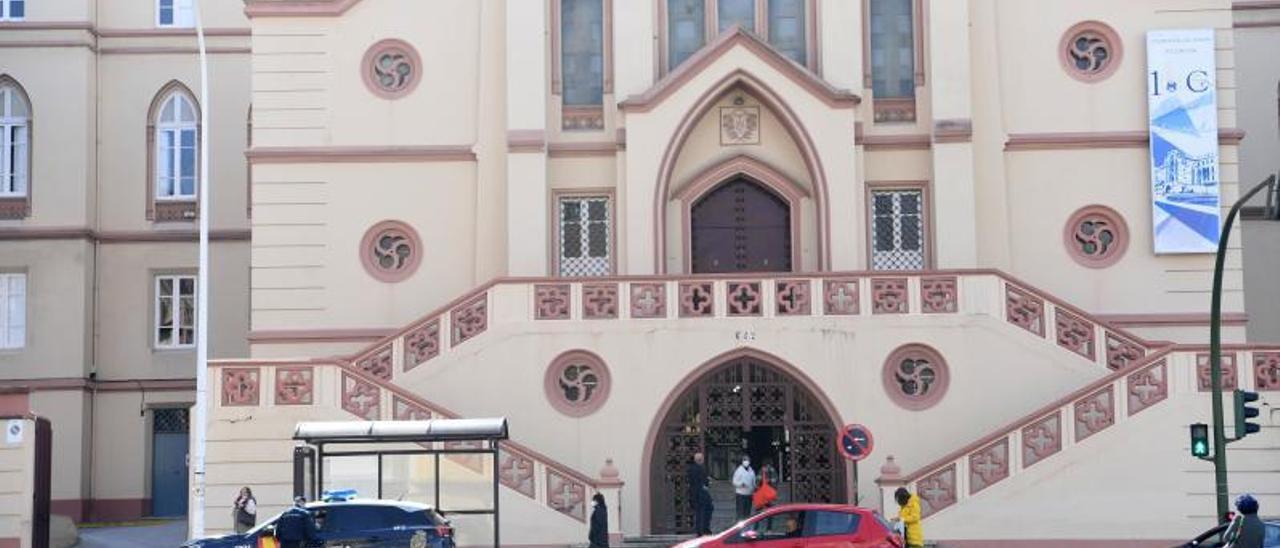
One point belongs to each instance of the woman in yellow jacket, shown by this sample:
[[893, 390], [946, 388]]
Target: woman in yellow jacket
[[909, 515]]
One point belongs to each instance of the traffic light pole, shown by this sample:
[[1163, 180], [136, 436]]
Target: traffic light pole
[[1215, 355]]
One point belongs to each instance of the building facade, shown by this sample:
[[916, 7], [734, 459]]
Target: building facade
[[645, 229], [98, 232]]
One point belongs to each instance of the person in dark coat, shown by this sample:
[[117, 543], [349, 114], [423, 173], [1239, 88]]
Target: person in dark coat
[[699, 496], [1252, 530], [599, 533], [296, 527]]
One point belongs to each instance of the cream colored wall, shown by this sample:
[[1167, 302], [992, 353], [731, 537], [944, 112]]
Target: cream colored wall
[[122, 440], [1262, 262], [125, 97], [59, 308], [142, 15], [17, 485], [1258, 93], [309, 220], [67, 412], [126, 322]]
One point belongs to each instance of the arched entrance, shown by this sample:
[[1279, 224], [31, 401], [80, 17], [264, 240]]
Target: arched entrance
[[744, 404], [740, 226]]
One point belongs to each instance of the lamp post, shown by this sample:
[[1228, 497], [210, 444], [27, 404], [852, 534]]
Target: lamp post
[[195, 509], [1215, 355]]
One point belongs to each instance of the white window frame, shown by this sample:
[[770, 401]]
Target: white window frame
[[602, 265], [176, 305], [13, 295], [174, 153], [183, 14], [14, 161], [6, 10]]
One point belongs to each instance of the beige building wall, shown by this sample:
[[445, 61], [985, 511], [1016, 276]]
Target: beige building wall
[[92, 71]]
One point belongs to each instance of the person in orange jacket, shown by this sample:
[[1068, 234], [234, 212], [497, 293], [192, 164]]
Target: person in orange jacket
[[909, 515]]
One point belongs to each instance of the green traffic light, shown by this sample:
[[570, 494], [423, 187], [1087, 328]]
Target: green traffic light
[[1200, 440]]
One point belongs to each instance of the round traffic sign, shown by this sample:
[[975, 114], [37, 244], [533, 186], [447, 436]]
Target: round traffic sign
[[855, 442]]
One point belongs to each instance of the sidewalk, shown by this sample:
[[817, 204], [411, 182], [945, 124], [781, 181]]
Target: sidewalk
[[168, 534]]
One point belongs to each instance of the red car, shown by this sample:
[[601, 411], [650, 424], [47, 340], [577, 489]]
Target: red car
[[805, 525]]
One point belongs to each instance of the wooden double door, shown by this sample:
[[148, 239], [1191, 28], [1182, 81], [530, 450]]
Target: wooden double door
[[740, 226]]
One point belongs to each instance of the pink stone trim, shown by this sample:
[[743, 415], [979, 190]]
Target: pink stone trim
[[1041, 439], [792, 297], [391, 46], [551, 301], [919, 354], [370, 246], [1121, 351], [937, 491], [1148, 386], [361, 398], [1105, 220], [1095, 412], [405, 410], [1266, 371], [988, 465], [648, 300], [953, 131], [378, 363], [526, 140], [744, 299], [1167, 319], [293, 336], [307, 8], [841, 297], [1075, 333], [360, 154], [696, 300], [873, 143], [1100, 139], [1230, 375], [566, 495], [294, 385], [939, 295], [795, 129], [470, 318], [1024, 309], [172, 50], [516, 472], [1115, 50], [421, 344], [889, 296], [595, 397], [602, 149], [600, 301], [240, 386]]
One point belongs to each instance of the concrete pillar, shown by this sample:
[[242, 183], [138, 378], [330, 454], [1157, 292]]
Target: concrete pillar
[[527, 87], [950, 82]]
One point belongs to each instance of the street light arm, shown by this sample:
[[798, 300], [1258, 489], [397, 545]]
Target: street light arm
[[1215, 353]]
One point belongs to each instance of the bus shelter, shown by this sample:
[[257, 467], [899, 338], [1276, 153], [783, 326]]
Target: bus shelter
[[382, 439]]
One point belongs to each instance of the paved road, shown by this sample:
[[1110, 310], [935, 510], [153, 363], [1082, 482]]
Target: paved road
[[166, 535]]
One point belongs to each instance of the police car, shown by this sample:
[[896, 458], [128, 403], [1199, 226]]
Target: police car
[[352, 522]]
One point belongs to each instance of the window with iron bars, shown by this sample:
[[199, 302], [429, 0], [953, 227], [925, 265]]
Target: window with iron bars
[[584, 236], [897, 230]]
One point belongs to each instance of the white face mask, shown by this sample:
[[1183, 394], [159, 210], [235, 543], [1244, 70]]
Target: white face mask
[[746, 462]]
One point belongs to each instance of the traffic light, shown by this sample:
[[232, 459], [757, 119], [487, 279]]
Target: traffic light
[[1244, 412], [1200, 440]]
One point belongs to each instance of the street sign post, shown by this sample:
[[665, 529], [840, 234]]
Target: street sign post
[[855, 442]]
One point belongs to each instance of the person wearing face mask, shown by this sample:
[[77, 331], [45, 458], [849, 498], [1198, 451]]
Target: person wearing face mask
[[744, 484]]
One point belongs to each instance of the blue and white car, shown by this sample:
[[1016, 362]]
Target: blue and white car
[[356, 524]]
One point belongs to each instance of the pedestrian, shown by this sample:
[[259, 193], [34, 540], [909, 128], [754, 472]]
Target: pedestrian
[[296, 527], [245, 511], [598, 535], [1252, 530], [909, 517], [699, 495], [765, 495], [744, 485]]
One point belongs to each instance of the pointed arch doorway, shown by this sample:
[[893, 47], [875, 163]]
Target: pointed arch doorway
[[749, 403], [740, 226]]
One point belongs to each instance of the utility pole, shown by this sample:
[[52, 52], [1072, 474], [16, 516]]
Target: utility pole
[[1215, 355], [196, 507]]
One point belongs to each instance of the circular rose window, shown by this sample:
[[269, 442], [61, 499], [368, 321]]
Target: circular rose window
[[390, 251], [1096, 236], [916, 376], [391, 68], [577, 383], [1090, 51]]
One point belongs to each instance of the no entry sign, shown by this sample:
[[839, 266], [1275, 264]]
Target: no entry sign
[[855, 442]]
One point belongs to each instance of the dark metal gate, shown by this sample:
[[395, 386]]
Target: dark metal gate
[[740, 227], [742, 394]]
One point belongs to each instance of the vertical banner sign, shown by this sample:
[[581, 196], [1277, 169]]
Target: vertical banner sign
[[1183, 117]]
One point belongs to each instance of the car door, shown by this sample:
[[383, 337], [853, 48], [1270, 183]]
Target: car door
[[775, 530], [832, 529], [351, 526]]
